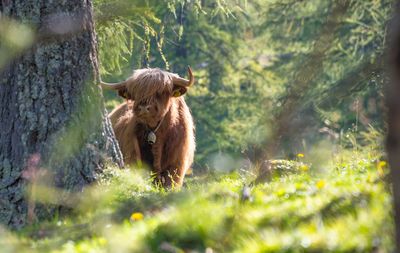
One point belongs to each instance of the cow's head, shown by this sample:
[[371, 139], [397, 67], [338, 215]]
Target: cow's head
[[153, 91]]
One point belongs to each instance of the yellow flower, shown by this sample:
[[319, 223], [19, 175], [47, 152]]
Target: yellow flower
[[137, 216], [381, 166], [320, 184], [304, 167], [300, 155]]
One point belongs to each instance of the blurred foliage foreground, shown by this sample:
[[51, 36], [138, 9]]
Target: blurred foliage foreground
[[344, 208]]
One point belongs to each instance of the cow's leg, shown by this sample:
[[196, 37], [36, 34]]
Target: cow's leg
[[157, 156], [134, 154], [180, 158], [137, 155], [173, 176]]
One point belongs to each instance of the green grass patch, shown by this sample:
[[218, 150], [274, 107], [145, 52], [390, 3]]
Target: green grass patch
[[345, 208]]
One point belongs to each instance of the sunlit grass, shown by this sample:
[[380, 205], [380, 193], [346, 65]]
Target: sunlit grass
[[347, 209]]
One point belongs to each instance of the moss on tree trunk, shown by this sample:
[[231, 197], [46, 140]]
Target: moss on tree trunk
[[52, 116]]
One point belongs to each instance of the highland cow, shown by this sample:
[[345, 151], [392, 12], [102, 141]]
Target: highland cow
[[155, 125]]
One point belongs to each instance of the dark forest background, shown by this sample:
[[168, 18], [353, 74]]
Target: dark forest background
[[259, 64]]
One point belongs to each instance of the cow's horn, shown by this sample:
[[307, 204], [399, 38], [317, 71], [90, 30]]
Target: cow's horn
[[114, 86], [184, 82]]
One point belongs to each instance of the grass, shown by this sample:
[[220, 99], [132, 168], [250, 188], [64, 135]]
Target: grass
[[344, 208]]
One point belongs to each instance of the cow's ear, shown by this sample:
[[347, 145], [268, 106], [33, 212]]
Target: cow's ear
[[178, 91], [124, 93]]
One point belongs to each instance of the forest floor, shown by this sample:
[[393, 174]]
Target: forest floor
[[344, 208]]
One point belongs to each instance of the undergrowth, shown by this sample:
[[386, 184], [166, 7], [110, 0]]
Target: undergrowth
[[343, 208]]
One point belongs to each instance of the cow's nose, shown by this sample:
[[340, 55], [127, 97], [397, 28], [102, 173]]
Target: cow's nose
[[145, 108]]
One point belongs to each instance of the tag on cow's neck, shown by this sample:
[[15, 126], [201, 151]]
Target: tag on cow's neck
[[151, 138], [177, 93]]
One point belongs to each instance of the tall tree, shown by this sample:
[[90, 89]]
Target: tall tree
[[52, 116], [393, 104]]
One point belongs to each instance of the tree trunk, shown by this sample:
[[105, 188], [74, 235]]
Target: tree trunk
[[52, 116], [393, 104], [290, 120]]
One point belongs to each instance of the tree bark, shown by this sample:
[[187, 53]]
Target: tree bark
[[289, 120], [393, 104], [52, 116]]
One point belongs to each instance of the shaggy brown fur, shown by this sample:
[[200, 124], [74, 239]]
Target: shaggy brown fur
[[172, 154]]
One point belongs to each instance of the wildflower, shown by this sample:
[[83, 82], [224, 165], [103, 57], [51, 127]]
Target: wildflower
[[304, 167], [300, 155], [381, 166], [246, 194], [137, 216], [320, 184]]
